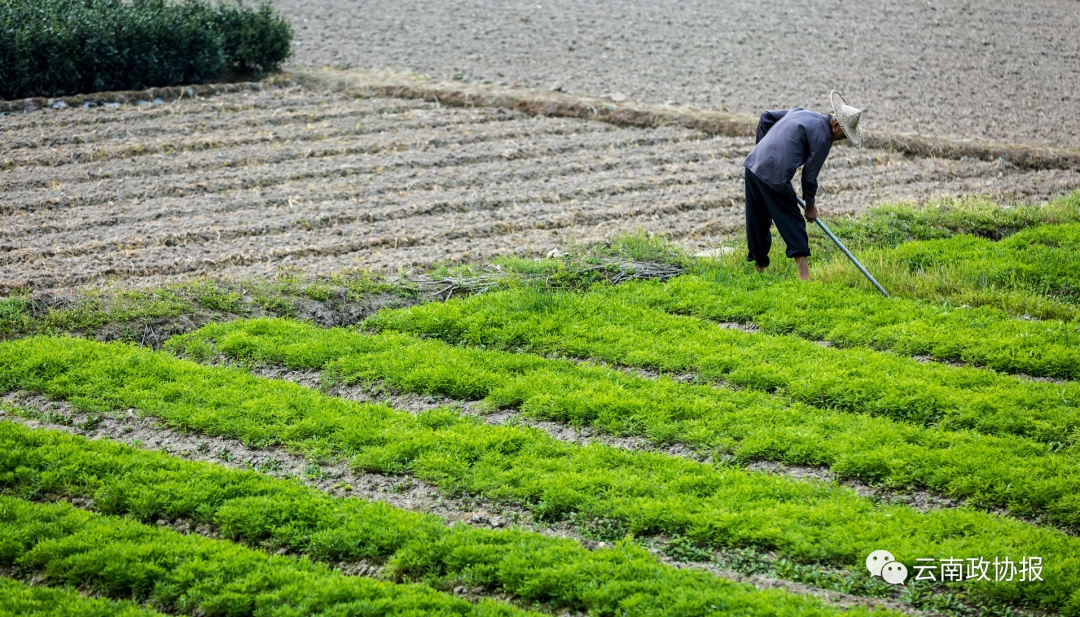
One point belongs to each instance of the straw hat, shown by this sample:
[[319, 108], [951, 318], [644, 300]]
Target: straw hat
[[848, 117]]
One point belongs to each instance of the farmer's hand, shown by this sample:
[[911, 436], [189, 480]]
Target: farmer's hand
[[811, 213]]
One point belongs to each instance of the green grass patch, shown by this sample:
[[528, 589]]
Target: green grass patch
[[148, 316], [992, 278], [278, 515], [650, 493], [1032, 273], [892, 224]]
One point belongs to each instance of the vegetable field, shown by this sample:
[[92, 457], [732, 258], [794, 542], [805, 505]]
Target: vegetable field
[[324, 361], [719, 442]]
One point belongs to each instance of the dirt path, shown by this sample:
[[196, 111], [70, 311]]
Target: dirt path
[[974, 68], [246, 184]]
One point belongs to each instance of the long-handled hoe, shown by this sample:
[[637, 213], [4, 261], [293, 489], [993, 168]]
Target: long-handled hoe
[[846, 252]]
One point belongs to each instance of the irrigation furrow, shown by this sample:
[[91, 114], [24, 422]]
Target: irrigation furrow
[[409, 494]]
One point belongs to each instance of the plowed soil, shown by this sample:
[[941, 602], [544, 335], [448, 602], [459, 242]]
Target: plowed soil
[[990, 69], [246, 184]]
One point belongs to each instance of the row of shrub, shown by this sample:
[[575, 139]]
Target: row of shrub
[[65, 47]]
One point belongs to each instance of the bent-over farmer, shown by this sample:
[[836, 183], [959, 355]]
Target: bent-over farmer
[[786, 140]]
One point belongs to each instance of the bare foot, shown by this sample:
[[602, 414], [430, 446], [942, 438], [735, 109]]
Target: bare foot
[[759, 269], [803, 264]]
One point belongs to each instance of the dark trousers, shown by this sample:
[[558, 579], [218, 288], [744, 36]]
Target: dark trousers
[[766, 205]]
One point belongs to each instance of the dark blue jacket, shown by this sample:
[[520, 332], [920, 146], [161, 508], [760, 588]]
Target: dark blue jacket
[[786, 140]]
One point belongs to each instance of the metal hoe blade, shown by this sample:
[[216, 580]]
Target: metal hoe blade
[[846, 252]]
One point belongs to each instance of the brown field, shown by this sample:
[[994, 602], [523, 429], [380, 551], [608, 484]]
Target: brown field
[[985, 69], [247, 183]]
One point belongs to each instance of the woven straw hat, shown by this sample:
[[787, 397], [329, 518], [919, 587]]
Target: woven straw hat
[[848, 117]]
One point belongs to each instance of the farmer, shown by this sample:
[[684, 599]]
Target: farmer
[[786, 140]]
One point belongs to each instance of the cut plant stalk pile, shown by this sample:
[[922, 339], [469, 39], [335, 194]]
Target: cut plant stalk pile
[[276, 515], [648, 493], [1025, 476]]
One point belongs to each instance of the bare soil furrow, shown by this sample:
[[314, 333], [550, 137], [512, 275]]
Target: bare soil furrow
[[270, 147], [338, 479], [255, 159], [306, 166], [461, 249], [453, 145], [405, 176], [104, 124], [282, 249], [470, 208], [271, 104], [131, 147]]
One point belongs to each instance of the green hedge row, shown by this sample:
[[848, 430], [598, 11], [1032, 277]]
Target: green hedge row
[[65, 47]]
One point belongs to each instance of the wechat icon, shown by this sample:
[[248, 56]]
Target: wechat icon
[[883, 564]]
